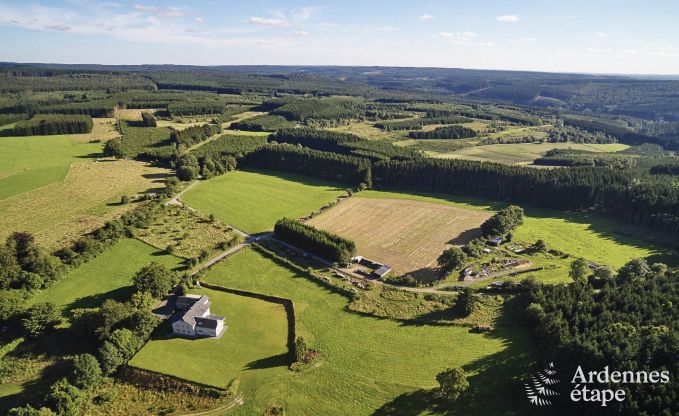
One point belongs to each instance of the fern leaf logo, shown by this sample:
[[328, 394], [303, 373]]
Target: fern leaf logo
[[538, 391]]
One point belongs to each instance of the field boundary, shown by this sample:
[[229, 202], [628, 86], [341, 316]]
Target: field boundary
[[288, 305]]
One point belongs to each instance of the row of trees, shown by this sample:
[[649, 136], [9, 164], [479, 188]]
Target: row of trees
[[195, 107], [321, 243], [343, 143], [447, 132], [418, 123], [265, 122], [47, 124], [341, 168], [148, 119], [194, 134]]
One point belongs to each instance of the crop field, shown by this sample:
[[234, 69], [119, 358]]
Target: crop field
[[523, 153], [372, 365], [254, 201], [596, 238], [27, 163], [108, 276], [83, 201], [405, 234], [253, 346]]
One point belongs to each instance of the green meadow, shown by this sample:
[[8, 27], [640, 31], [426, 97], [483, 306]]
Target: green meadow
[[369, 365], [254, 201], [254, 346], [108, 276], [30, 162]]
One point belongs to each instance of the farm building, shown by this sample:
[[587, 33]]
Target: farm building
[[192, 318], [495, 241], [382, 271]]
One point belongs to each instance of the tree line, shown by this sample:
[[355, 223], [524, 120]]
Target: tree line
[[343, 143], [327, 165], [194, 134], [321, 243], [447, 132], [418, 123], [47, 124]]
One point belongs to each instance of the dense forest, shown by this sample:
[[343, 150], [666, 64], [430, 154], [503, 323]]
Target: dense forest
[[627, 322]]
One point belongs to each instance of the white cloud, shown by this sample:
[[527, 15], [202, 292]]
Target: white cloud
[[426, 17], [269, 22], [508, 18], [168, 12], [199, 20], [301, 33], [601, 34]]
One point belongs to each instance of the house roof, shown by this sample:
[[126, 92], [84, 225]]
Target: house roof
[[198, 309], [384, 269], [209, 321]]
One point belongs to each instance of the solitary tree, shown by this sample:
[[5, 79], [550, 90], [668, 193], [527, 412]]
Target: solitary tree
[[465, 301], [452, 383], [301, 349], [114, 148], [579, 270], [155, 279], [452, 258]]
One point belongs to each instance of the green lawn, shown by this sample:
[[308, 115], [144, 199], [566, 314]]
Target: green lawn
[[594, 237], [107, 276], [253, 346], [31, 162], [254, 201], [370, 365]]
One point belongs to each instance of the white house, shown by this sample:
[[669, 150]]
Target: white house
[[193, 318]]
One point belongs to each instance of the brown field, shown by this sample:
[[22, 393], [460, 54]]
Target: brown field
[[407, 235], [104, 129], [61, 212]]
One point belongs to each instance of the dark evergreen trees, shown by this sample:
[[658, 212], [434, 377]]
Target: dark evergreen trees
[[321, 243]]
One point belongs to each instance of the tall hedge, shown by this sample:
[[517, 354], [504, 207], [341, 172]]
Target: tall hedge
[[321, 243], [42, 125]]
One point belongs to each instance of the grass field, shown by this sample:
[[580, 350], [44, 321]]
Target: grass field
[[27, 163], [82, 202], [372, 365], [524, 153], [597, 238], [108, 276], [253, 346], [407, 235], [254, 201]]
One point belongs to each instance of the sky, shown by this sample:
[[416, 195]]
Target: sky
[[594, 36]]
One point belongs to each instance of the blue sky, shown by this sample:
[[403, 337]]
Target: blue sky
[[623, 36]]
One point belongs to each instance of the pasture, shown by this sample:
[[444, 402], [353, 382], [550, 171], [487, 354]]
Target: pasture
[[108, 276], [405, 234], [254, 201], [87, 197], [30, 162], [254, 346], [372, 365], [522, 153], [594, 237]]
